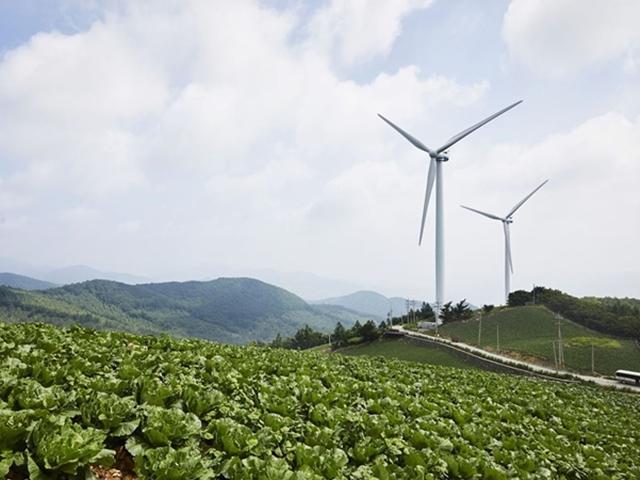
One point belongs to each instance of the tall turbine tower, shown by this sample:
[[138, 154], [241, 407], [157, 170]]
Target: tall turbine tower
[[506, 221], [439, 156]]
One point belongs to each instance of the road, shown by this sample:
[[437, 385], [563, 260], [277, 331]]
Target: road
[[605, 382]]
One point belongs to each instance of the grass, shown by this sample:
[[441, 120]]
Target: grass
[[411, 350], [530, 331], [324, 348]]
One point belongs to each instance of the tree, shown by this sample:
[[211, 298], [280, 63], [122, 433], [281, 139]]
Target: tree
[[519, 298], [462, 311], [369, 331], [486, 309], [355, 330], [447, 313], [426, 312], [339, 336], [306, 337], [277, 342]]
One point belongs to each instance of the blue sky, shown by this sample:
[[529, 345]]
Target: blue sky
[[193, 139]]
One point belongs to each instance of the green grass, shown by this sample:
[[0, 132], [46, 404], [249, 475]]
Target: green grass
[[410, 350], [529, 331], [324, 348]]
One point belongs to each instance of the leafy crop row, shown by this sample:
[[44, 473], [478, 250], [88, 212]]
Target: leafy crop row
[[193, 409]]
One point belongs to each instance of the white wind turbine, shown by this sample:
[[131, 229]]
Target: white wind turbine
[[506, 221], [435, 174]]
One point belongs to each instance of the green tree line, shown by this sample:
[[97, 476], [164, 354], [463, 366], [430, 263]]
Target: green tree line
[[307, 337], [608, 315]]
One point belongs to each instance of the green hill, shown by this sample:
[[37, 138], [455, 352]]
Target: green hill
[[410, 350], [165, 409], [230, 310], [26, 283], [530, 331], [615, 316]]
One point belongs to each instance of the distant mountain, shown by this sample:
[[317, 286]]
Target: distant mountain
[[82, 273], [66, 275], [26, 283], [345, 315], [369, 303], [304, 284], [230, 310]]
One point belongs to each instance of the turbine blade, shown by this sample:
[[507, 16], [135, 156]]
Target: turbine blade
[[507, 244], [521, 202], [456, 138], [490, 215], [413, 140], [431, 176]]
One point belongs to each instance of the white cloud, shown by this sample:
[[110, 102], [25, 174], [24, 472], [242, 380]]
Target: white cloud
[[357, 30], [558, 38], [203, 123]]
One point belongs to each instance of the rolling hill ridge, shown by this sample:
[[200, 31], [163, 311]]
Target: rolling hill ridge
[[14, 280], [230, 310]]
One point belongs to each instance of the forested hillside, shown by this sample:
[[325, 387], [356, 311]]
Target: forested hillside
[[230, 310], [608, 315]]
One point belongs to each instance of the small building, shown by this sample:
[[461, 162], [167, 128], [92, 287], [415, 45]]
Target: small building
[[427, 325]]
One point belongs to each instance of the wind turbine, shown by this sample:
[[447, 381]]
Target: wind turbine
[[506, 221], [434, 174]]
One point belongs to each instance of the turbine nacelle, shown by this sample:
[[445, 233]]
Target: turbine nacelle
[[441, 157]]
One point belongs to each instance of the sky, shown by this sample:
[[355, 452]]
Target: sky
[[191, 139]]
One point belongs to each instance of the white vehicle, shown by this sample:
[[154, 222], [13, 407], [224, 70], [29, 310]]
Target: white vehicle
[[627, 376]]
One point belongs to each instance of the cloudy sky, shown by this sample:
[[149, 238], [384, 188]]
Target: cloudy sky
[[189, 139]]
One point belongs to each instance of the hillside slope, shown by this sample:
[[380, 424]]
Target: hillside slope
[[531, 330], [230, 310], [614, 316], [14, 280]]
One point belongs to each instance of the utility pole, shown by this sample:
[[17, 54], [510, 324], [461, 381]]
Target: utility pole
[[533, 293], [555, 355], [560, 346]]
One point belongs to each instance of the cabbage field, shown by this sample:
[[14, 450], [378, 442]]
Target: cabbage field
[[162, 408]]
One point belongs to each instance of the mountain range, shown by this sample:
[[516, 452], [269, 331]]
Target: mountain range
[[67, 274], [370, 303], [230, 310], [25, 283]]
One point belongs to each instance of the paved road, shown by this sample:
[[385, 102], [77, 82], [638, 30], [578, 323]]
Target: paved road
[[606, 382]]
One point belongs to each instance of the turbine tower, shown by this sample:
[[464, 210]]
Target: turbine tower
[[434, 174], [506, 221]]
